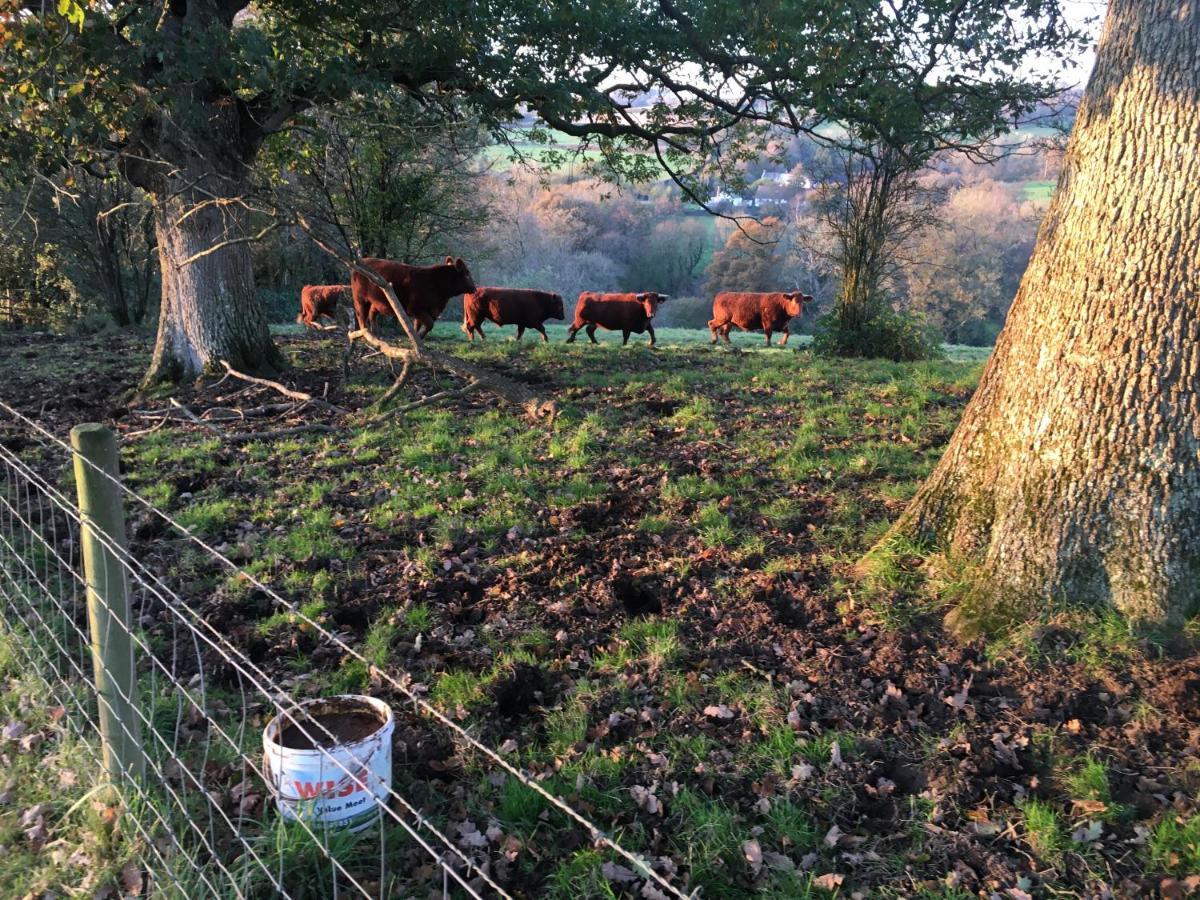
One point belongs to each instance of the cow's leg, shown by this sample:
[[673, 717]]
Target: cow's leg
[[714, 327], [783, 343], [542, 329], [625, 337], [572, 332], [650, 328], [725, 332], [520, 332], [768, 333], [591, 332], [424, 324]]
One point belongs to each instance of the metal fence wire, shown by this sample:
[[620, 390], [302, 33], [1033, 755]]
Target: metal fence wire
[[174, 715]]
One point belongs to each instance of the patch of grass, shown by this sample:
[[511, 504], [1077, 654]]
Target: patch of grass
[[455, 689], [699, 413], [1043, 831], [708, 835], [208, 517], [580, 877], [691, 487], [1174, 845], [790, 827], [56, 775], [654, 524], [1088, 783], [714, 526], [519, 807], [652, 641]]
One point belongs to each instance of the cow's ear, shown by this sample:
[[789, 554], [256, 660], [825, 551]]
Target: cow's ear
[[642, 297], [449, 260], [460, 265]]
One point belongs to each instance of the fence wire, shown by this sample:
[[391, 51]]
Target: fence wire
[[203, 814]]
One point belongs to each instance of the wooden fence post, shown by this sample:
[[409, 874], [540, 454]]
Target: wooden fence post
[[102, 512]]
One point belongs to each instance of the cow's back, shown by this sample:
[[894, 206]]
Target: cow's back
[[514, 306], [616, 312], [415, 287], [743, 308]]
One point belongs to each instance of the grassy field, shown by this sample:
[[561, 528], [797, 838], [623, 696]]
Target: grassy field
[[1038, 190], [689, 339], [654, 601]]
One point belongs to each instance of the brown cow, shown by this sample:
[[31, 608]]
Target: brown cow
[[510, 306], [626, 313], [750, 312], [423, 291], [320, 301]]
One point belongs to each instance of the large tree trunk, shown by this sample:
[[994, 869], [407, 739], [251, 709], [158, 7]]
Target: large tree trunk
[[193, 158], [1075, 473], [209, 311]]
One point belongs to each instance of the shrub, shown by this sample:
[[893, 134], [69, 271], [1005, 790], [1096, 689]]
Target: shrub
[[684, 312], [886, 334]]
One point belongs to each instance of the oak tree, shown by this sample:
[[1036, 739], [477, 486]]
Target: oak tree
[[1074, 475]]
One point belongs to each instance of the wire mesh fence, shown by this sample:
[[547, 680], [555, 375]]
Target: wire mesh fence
[[229, 781]]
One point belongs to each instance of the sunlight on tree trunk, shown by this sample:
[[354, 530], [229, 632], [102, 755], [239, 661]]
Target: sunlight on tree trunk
[[209, 308], [1074, 476]]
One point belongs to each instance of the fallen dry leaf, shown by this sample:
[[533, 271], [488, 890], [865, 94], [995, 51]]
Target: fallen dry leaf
[[131, 878], [959, 700], [617, 873], [753, 854], [829, 882]]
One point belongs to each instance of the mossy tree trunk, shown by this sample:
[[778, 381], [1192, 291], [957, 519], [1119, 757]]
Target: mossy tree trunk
[[210, 311], [1075, 472]]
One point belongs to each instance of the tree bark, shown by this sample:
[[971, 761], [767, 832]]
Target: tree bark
[[1074, 475], [209, 311], [192, 154]]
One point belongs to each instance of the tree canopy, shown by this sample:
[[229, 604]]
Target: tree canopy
[[180, 96], [92, 82]]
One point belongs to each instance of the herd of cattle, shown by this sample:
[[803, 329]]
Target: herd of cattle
[[424, 291]]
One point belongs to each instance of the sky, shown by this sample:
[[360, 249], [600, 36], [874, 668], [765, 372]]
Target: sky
[[1078, 12]]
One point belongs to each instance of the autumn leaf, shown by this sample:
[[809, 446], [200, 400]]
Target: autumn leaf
[[131, 879], [617, 873], [753, 855]]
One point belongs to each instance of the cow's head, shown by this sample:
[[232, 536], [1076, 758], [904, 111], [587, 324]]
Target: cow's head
[[554, 307], [795, 301], [650, 301], [462, 282]]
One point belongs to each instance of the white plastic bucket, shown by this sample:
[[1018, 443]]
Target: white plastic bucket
[[341, 784]]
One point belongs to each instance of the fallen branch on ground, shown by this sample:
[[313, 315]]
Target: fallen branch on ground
[[286, 391], [508, 390], [400, 381], [222, 413], [241, 437], [433, 398]]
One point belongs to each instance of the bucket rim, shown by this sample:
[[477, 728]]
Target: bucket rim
[[270, 743]]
